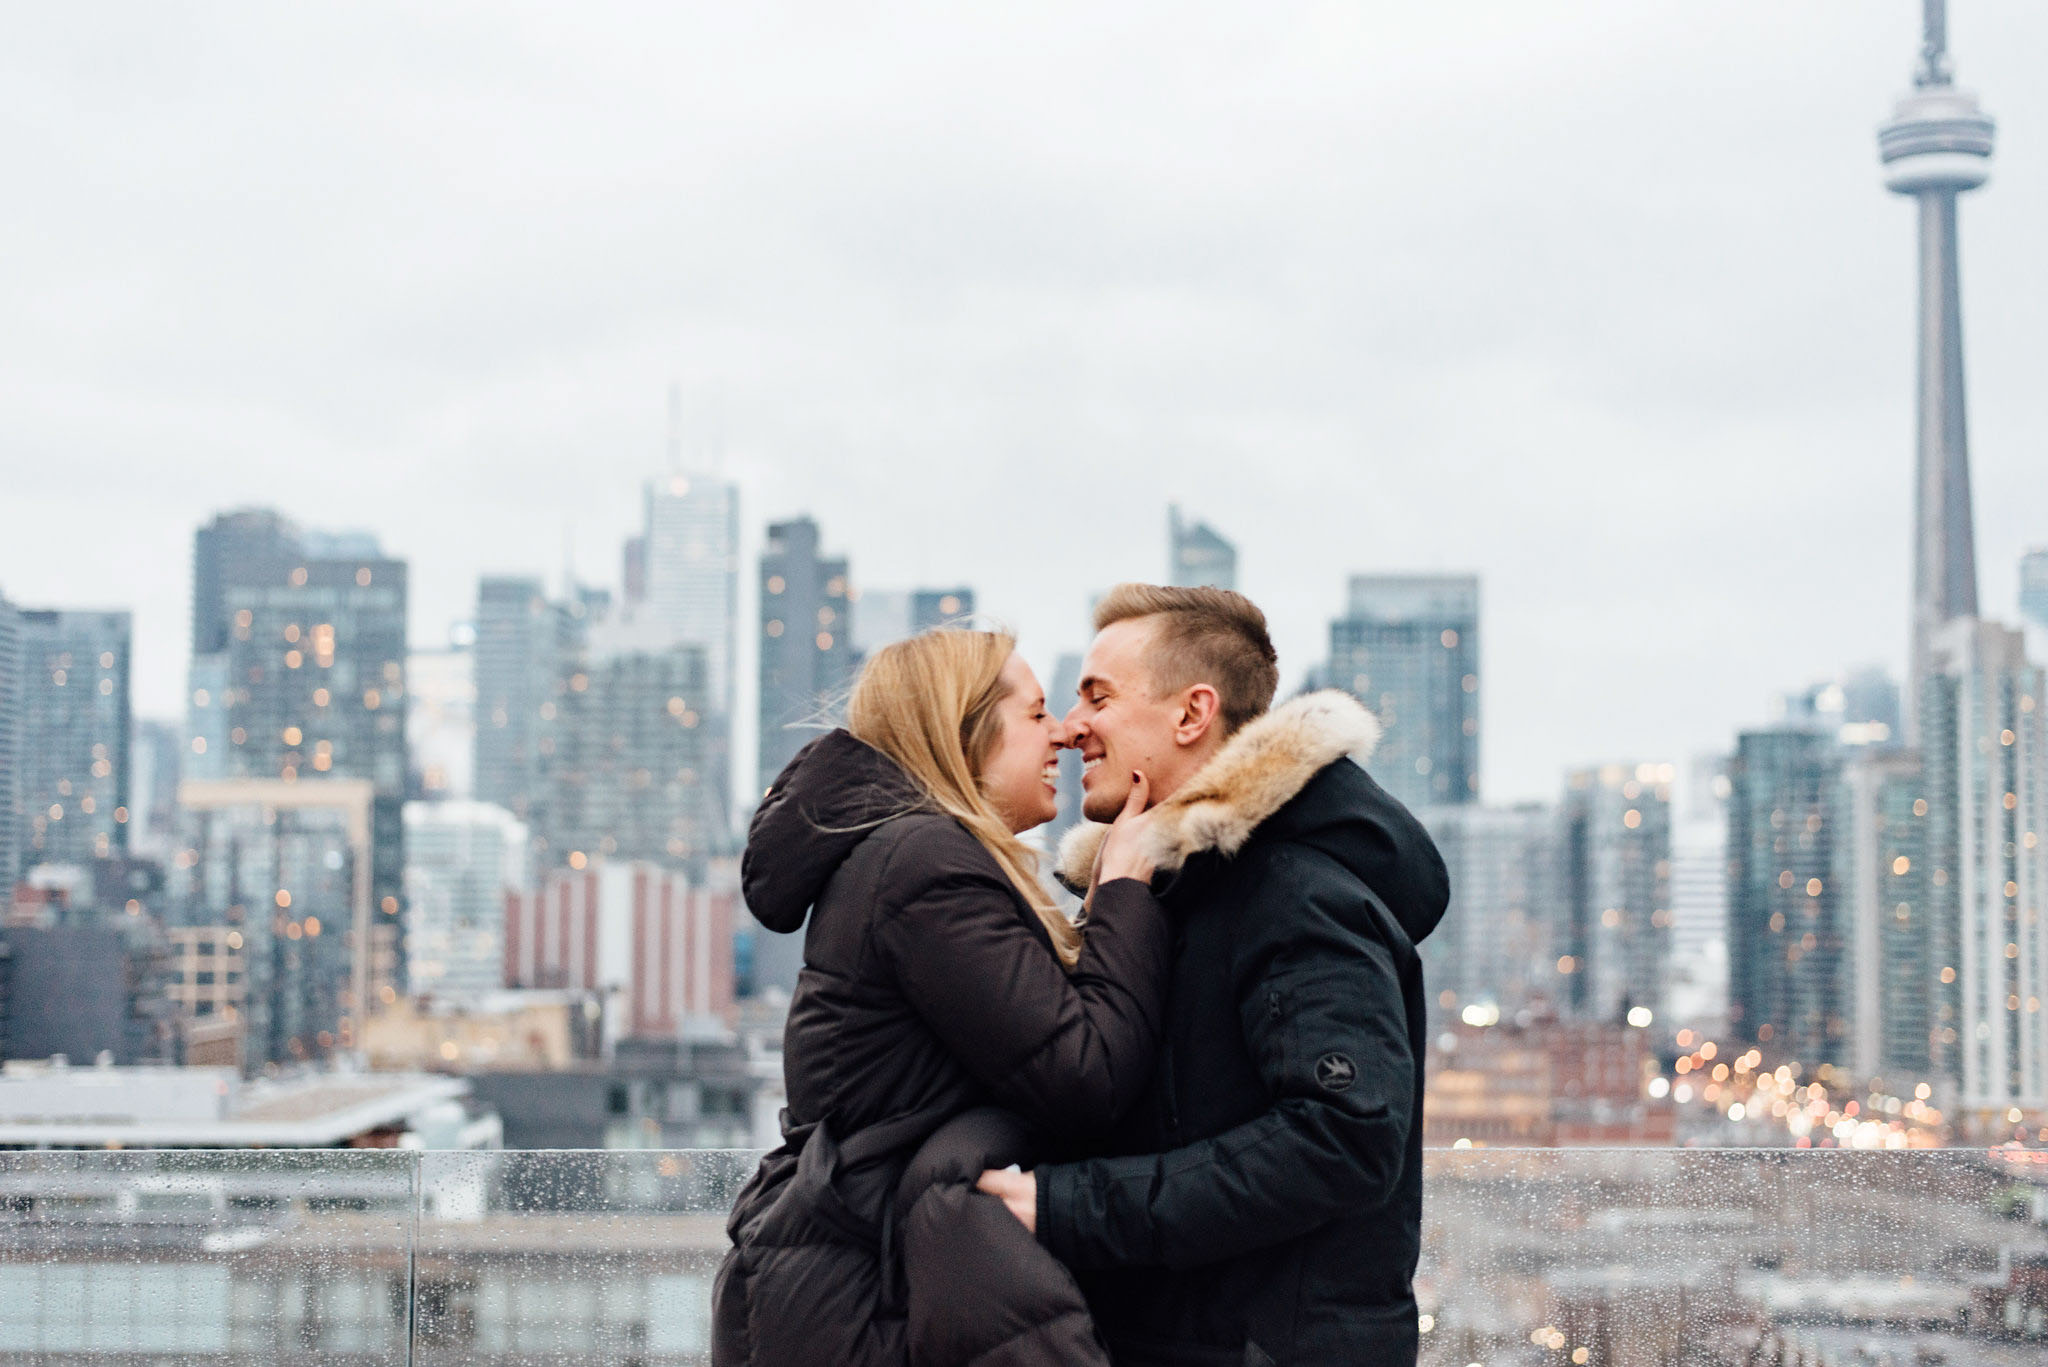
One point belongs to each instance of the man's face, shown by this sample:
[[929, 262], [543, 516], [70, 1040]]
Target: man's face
[[1120, 723]]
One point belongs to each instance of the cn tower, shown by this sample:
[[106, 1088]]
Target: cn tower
[[1937, 145]]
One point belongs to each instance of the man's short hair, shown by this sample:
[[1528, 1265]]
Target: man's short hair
[[1210, 636]]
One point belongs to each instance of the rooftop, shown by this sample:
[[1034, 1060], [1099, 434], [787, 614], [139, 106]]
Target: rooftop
[[53, 1105]]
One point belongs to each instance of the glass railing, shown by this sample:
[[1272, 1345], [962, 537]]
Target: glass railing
[[1622, 1257]]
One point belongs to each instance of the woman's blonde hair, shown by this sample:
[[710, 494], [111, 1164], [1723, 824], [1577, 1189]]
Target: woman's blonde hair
[[930, 704]]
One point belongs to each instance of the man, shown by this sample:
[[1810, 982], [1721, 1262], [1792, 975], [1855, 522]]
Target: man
[[1263, 1203]]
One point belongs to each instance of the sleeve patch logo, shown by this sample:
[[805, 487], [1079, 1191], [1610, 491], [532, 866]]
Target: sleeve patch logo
[[1335, 1073]]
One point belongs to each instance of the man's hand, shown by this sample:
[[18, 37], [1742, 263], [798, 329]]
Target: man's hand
[[1018, 1191]]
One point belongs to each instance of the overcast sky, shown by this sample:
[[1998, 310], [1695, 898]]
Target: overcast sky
[[1598, 298]]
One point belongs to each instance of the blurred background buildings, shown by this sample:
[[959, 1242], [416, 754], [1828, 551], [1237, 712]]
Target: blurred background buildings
[[511, 852]]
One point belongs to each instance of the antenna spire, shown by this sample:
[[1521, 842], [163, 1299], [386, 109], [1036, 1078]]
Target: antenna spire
[[1934, 65]]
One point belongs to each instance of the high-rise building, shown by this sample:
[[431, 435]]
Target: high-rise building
[[1937, 145], [807, 658], [1197, 554], [1613, 934], [1696, 989], [465, 864], [1495, 945], [1985, 755], [2034, 593], [284, 872], [1696, 985], [1408, 648], [634, 772], [156, 765], [1896, 944], [691, 558], [250, 545], [75, 735], [525, 645], [308, 682], [1789, 939], [12, 709]]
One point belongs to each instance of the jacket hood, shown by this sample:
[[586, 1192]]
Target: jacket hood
[[830, 798], [1280, 773]]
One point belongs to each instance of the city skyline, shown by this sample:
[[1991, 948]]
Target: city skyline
[[1644, 425]]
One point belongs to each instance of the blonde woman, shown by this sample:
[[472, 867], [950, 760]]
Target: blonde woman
[[940, 979]]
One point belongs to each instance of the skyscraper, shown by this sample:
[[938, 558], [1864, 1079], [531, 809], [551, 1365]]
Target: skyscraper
[[2034, 591], [1495, 945], [75, 735], [12, 707], [307, 682], [691, 564], [282, 871], [464, 860], [807, 658], [633, 770], [1984, 749], [1197, 554], [1788, 935], [524, 645], [1613, 934], [247, 545], [1408, 648], [156, 764], [1938, 145], [1896, 943]]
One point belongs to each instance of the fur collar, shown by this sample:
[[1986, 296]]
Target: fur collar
[[1256, 773]]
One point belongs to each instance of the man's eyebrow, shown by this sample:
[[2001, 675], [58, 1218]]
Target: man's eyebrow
[[1088, 685]]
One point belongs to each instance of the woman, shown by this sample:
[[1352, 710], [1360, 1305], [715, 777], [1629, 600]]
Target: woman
[[939, 977]]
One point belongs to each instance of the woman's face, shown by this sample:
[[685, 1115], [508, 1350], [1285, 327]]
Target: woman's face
[[1022, 768]]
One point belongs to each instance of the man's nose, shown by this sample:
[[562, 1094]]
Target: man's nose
[[1072, 728]]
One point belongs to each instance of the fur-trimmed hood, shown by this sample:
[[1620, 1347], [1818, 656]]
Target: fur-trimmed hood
[[1256, 773]]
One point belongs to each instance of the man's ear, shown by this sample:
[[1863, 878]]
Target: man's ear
[[1201, 711]]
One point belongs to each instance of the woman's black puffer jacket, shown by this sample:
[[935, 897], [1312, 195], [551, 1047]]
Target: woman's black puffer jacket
[[930, 992]]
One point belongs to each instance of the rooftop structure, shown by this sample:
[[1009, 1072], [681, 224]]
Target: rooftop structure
[[53, 1105]]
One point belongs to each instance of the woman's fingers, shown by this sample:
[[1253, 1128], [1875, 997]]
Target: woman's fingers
[[1140, 794]]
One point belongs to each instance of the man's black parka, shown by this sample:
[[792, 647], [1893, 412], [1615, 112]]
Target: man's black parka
[[1262, 1205], [930, 991]]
